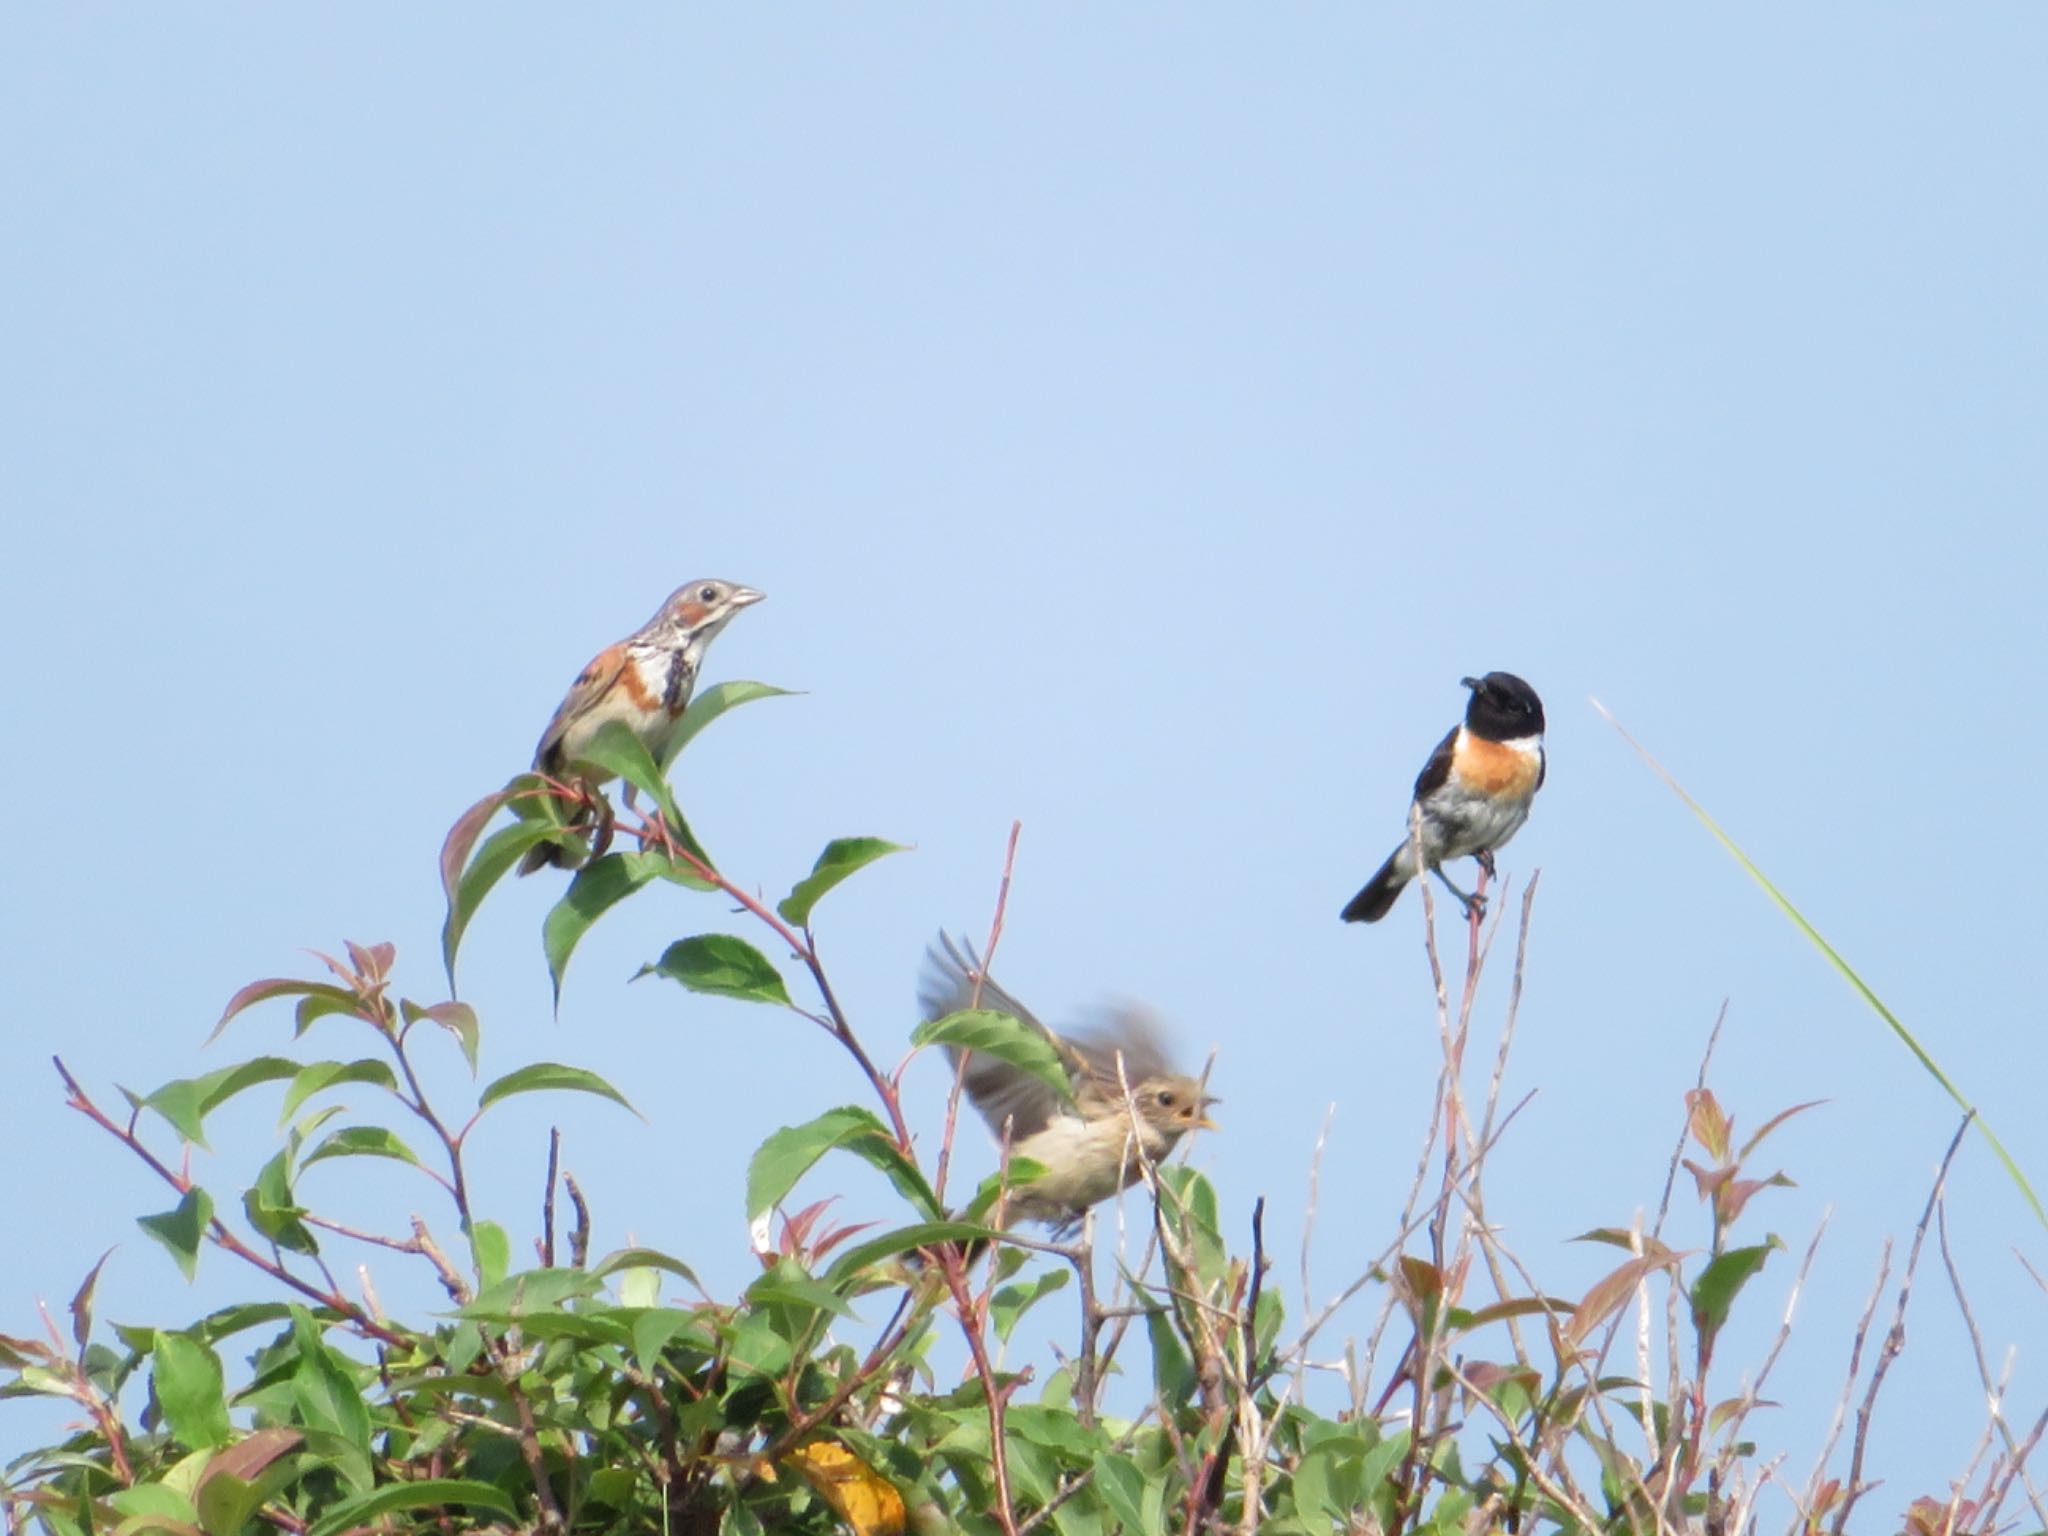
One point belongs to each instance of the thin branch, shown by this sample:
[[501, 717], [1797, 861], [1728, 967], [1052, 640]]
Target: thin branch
[[547, 1198], [1895, 1337], [1994, 1392], [217, 1230]]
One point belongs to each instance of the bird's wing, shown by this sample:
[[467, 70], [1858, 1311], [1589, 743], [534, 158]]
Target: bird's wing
[[1005, 1095], [591, 684], [1130, 1031], [1437, 771]]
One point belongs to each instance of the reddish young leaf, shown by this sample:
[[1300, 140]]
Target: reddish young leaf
[[1611, 1292], [280, 986], [1770, 1125], [1708, 1180], [1710, 1127], [81, 1302], [462, 837]]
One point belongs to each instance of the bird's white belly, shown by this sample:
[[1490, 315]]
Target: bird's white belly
[[615, 705], [1462, 821]]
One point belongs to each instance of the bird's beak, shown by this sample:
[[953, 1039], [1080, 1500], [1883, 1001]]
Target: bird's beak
[[745, 597]]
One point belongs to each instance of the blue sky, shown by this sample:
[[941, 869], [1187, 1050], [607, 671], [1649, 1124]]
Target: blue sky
[[1140, 418]]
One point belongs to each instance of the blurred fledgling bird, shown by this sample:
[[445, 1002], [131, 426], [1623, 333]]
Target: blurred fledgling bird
[[645, 680], [1127, 1104], [1473, 793]]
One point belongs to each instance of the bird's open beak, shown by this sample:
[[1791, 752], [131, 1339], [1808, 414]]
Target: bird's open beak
[[743, 597]]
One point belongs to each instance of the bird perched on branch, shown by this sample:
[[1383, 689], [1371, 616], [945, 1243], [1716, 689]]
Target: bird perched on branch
[[1126, 1105], [645, 681], [1473, 794]]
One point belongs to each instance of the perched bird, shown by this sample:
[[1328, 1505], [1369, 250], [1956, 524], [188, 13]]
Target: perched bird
[[1125, 1097], [1473, 793], [645, 681]]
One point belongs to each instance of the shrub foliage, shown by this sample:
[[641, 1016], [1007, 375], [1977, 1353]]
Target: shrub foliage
[[614, 1392]]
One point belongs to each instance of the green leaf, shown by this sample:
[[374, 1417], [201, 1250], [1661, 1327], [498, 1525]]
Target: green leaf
[[427, 1493], [597, 887], [843, 856], [501, 850], [788, 1155], [153, 1507], [225, 1502], [271, 1209], [1001, 1036], [320, 1075], [646, 1258], [639, 1287], [1842, 967], [1714, 1292], [904, 1240], [797, 1290], [327, 1391], [1054, 1429], [531, 1293], [1015, 1175], [187, 1101], [1122, 1486], [722, 966], [1173, 1373], [186, 1376], [362, 1141], [549, 1076], [654, 1329], [459, 1019], [1011, 1302], [617, 750], [1191, 1199], [491, 1249], [183, 1228], [709, 703]]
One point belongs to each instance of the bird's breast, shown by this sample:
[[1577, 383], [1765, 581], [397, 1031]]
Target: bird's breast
[[1507, 769]]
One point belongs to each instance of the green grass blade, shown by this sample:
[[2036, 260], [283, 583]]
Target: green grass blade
[[1847, 971]]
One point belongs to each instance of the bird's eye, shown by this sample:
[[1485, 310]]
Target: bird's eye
[[707, 594]]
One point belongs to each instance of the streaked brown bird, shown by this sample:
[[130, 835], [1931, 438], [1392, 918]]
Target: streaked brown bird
[[645, 680], [1127, 1101]]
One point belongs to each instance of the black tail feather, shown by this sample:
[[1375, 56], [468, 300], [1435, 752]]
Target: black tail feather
[[1377, 898]]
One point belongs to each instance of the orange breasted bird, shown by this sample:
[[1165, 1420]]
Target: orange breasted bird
[[1472, 795], [645, 681]]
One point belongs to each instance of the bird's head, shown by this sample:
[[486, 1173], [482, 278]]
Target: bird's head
[[698, 610], [1503, 707], [1173, 1106]]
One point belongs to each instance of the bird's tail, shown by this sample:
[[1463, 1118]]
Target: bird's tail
[[1377, 897], [570, 855], [541, 855]]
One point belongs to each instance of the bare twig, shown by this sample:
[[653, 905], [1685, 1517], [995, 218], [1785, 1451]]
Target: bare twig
[[1994, 1391], [1895, 1337], [579, 1234], [547, 1199]]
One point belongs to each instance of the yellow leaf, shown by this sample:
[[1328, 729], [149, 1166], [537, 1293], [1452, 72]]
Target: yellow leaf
[[859, 1495]]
